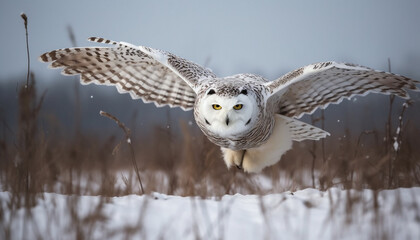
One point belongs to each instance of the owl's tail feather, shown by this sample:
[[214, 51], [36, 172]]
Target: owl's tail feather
[[303, 131]]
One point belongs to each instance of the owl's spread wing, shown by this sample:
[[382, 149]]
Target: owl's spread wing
[[308, 88], [150, 74]]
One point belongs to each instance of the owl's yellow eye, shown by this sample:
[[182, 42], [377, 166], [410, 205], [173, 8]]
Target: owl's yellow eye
[[238, 106], [216, 107]]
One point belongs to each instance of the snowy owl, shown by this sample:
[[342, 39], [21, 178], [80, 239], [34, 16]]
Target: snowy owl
[[253, 120]]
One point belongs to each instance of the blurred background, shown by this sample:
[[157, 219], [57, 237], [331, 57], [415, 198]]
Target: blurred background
[[269, 38]]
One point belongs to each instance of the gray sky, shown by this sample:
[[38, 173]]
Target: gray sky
[[264, 37]]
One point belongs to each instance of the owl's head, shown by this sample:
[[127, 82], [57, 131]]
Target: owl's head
[[227, 110]]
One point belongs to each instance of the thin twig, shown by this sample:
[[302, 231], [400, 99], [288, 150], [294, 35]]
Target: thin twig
[[313, 153], [77, 105], [28, 94], [71, 36], [399, 131], [323, 139], [127, 133], [25, 21], [389, 133]]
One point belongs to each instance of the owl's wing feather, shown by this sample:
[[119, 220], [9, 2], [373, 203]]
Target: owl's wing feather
[[150, 74], [317, 85], [300, 131]]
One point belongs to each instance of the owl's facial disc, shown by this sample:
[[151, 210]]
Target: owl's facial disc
[[227, 115]]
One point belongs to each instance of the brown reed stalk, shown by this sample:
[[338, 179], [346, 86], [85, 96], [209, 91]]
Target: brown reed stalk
[[127, 133], [25, 22]]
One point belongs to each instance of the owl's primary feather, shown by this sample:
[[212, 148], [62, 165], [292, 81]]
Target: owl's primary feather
[[253, 120]]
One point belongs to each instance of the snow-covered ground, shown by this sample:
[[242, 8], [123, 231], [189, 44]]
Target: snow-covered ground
[[305, 214]]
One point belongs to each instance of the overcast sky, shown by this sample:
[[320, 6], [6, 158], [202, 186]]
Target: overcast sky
[[264, 37]]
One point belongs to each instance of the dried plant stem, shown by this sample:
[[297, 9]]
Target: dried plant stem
[[77, 105], [388, 124], [323, 139], [28, 114], [25, 21], [127, 133], [389, 133], [397, 140], [313, 154], [72, 37]]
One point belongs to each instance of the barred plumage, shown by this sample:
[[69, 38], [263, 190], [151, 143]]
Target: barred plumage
[[319, 85], [131, 70], [253, 120]]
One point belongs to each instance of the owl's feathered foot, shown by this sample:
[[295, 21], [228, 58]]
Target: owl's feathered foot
[[242, 160], [233, 158], [285, 131]]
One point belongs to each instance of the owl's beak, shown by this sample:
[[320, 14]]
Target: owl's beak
[[227, 120]]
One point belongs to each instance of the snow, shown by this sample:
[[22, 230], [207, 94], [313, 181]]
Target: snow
[[305, 214], [396, 145]]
